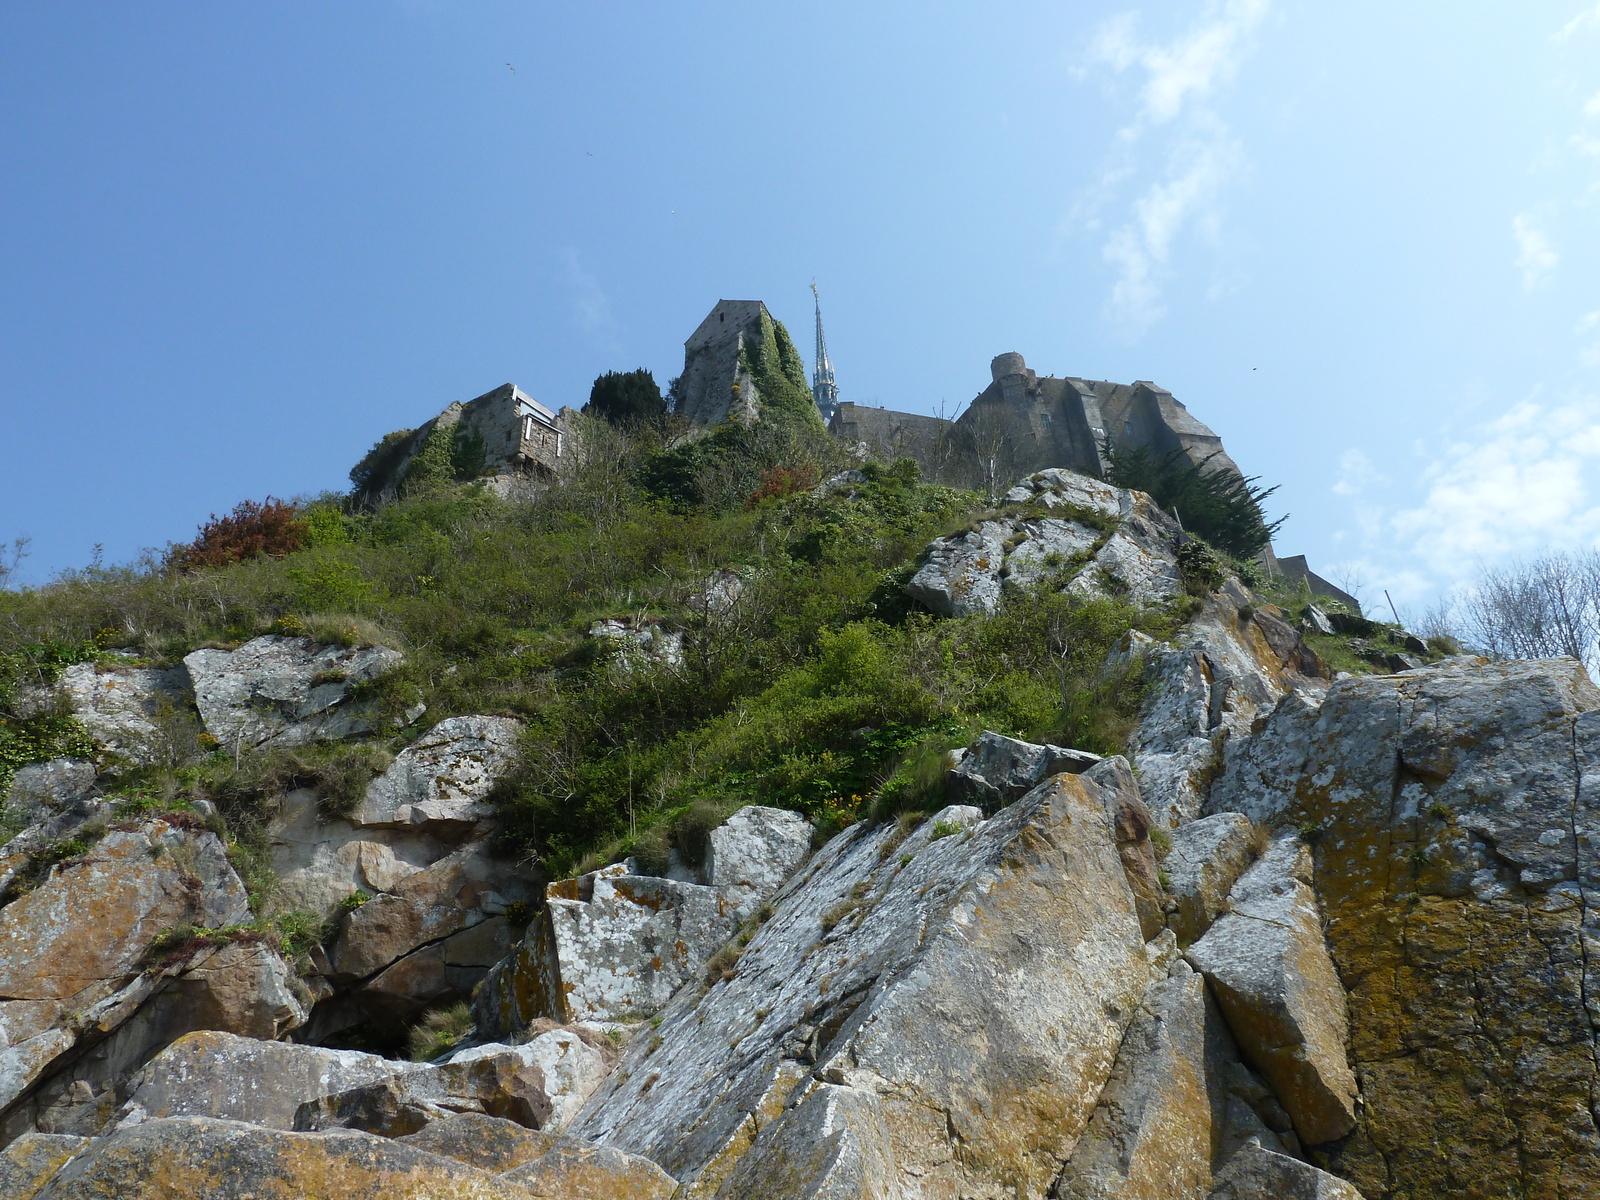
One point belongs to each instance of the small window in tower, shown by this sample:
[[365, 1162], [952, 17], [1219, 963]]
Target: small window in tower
[[527, 429], [1045, 418]]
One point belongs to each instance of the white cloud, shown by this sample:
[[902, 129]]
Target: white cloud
[[1592, 108], [1522, 482], [1588, 19], [1201, 154], [1535, 255], [1356, 473]]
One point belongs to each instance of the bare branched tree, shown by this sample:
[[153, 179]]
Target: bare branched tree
[[11, 558], [1542, 608]]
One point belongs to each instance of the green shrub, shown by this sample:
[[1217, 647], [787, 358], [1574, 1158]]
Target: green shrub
[[1215, 503], [627, 398], [438, 1031]]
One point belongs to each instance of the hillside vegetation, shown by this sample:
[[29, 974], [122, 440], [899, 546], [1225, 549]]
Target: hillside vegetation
[[821, 687]]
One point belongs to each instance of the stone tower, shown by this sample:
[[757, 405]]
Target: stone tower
[[823, 390], [714, 386]]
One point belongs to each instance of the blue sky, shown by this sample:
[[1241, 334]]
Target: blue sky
[[238, 243]]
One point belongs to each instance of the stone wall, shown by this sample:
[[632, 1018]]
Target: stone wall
[[714, 387]]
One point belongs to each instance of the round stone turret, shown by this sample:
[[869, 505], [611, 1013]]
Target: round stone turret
[[1010, 363]]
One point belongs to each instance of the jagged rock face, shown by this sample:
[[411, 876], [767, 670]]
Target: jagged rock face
[[224, 1075], [612, 945], [969, 572], [907, 974], [197, 1158], [491, 1144], [284, 691], [65, 976], [1453, 812], [1255, 1173], [120, 706], [1222, 674]]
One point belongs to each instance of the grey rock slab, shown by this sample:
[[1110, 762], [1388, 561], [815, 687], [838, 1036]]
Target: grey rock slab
[[1207, 856], [503, 1083], [440, 780], [1314, 620], [1145, 575], [635, 941], [1046, 547], [1256, 1173], [284, 691], [921, 988], [1270, 969], [223, 1075]]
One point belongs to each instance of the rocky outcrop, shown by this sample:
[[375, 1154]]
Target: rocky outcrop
[[67, 980], [904, 974], [41, 790], [637, 644], [121, 706], [1223, 673], [1256, 1173], [284, 691], [1106, 541], [1451, 811], [1273, 978], [614, 945]]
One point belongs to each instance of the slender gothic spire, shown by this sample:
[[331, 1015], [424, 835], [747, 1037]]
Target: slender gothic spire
[[823, 390]]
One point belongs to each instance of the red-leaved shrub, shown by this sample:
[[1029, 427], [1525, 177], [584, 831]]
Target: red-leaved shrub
[[272, 528], [782, 481]]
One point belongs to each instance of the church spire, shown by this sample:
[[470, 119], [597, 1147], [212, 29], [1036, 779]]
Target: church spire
[[823, 390]]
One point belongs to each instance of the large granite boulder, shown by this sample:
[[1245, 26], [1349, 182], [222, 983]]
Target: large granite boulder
[[440, 780], [570, 1065], [284, 691], [753, 852], [491, 1144], [1105, 541], [1257, 1173], [905, 973], [199, 1158], [73, 949], [1269, 966], [223, 1075], [1452, 813]]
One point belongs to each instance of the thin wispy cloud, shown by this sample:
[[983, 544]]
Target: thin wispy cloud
[[590, 306], [1180, 180], [1587, 19], [1536, 257], [1356, 473]]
